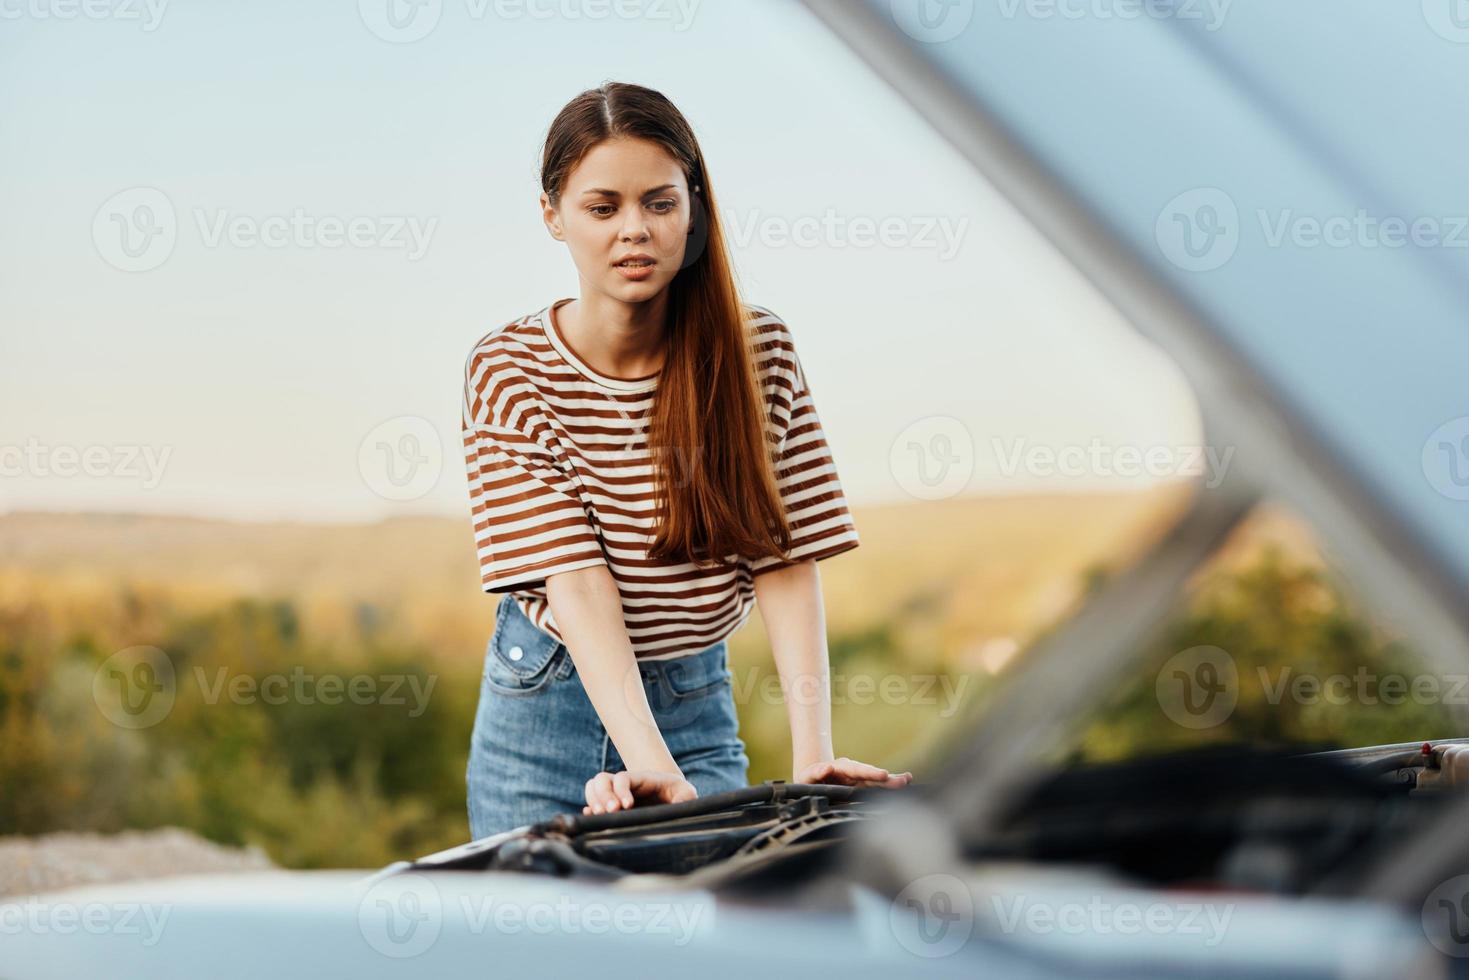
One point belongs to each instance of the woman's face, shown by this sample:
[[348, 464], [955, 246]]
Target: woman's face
[[626, 197]]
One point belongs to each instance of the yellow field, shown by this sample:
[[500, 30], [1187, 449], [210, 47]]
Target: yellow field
[[938, 598], [963, 576]]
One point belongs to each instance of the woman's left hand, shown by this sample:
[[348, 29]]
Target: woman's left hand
[[849, 772]]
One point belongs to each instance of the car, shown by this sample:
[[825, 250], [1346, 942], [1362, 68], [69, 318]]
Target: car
[[1142, 139]]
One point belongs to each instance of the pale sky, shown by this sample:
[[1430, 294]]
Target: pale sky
[[215, 369]]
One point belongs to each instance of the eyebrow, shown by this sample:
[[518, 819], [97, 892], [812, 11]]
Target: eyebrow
[[604, 192]]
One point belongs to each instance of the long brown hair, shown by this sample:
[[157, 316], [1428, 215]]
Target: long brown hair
[[714, 469]]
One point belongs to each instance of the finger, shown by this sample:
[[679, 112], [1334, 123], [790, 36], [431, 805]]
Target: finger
[[843, 772], [606, 794], [862, 770], [598, 790], [681, 791], [820, 773], [638, 786], [622, 789]]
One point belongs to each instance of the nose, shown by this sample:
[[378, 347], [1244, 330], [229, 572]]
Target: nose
[[634, 227]]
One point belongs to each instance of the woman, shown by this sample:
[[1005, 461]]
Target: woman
[[645, 463]]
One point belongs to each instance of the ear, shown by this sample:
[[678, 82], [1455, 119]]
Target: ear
[[551, 217]]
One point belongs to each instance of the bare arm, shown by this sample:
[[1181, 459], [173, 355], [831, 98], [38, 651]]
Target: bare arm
[[795, 620], [588, 613], [790, 605]]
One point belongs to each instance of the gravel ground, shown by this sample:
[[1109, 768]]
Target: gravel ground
[[30, 865]]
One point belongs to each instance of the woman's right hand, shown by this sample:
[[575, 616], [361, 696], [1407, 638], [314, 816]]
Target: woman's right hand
[[608, 792]]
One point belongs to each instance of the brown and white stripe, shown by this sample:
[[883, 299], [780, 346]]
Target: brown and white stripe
[[560, 478]]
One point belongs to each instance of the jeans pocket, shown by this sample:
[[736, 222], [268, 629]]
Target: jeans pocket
[[699, 675], [694, 703], [521, 659], [502, 680]]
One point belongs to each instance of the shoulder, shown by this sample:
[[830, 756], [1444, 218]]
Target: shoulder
[[507, 344], [500, 368], [771, 342], [763, 320]]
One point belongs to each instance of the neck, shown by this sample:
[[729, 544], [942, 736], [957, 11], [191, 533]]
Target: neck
[[624, 340]]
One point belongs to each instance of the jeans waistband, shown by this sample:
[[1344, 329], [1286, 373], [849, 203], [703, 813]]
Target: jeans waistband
[[690, 672], [682, 674]]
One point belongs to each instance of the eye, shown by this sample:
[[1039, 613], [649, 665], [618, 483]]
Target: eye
[[597, 210], [658, 205]]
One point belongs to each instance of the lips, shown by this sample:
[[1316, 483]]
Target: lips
[[635, 262], [635, 273]]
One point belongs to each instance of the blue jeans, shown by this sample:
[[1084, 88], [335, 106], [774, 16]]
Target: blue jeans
[[537, 739]]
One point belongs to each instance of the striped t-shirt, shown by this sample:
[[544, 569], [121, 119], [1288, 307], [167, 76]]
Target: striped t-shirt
[[560, 478]]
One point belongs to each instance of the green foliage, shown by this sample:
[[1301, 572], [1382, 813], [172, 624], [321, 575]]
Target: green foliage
[[317, 772], [353, 784], [1312, 672]]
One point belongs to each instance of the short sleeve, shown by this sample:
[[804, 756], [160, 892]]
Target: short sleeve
[[815, 506], [528, 521]]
